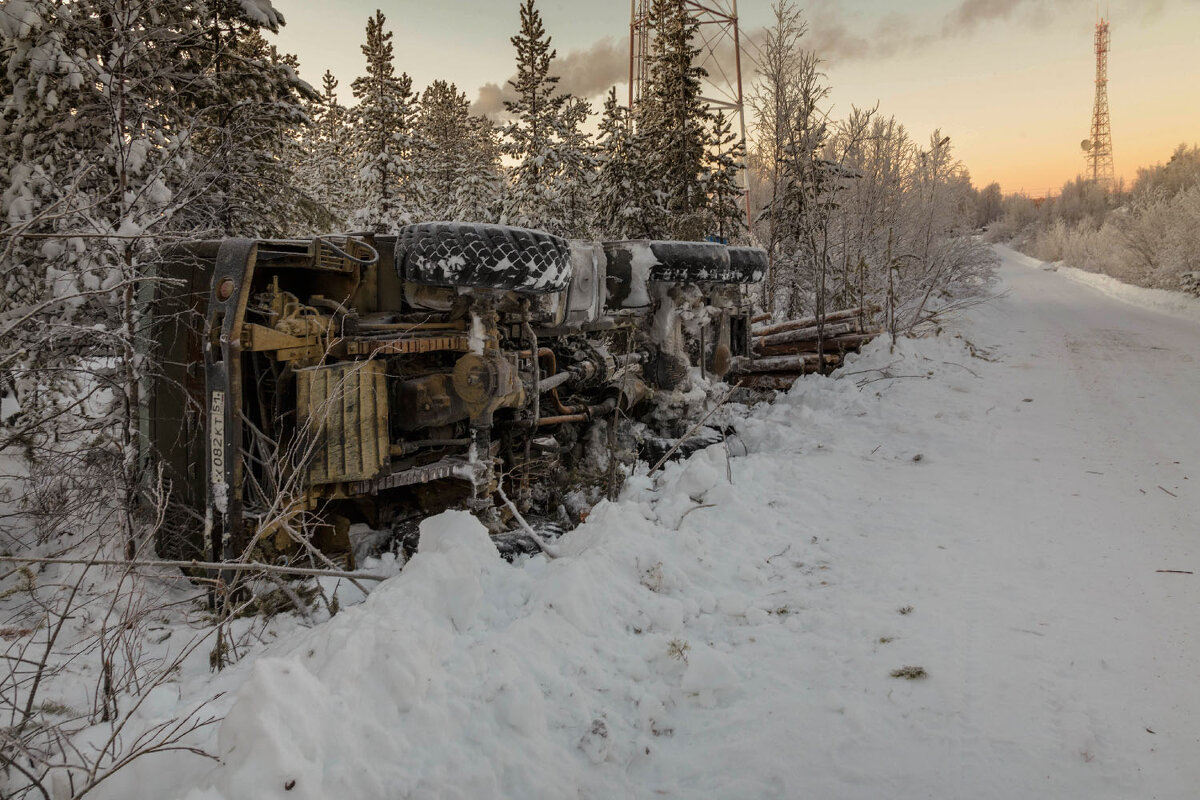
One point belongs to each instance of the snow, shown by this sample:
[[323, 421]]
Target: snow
[[9, 406], [20, 17], [642, 262], [264, 13], [991, 505]]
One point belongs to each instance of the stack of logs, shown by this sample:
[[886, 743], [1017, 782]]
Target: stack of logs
[[786, 350]]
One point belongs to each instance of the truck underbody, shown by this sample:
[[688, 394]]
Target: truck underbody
[[304, 385]]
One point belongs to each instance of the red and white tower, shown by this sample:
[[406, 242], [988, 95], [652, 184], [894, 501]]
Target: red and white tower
[[1098, 148]]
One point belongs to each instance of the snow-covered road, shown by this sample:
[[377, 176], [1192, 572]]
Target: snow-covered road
[[993, 506], [1062, 663]]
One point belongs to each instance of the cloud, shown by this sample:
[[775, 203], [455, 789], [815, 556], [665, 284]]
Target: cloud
[[836, 36], [583, 73], [971, 14]]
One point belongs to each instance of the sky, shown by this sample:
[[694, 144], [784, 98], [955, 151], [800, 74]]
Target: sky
[[1010, 81]]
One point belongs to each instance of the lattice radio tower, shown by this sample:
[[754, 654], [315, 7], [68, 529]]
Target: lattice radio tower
[[718, 39], [1098, 148]]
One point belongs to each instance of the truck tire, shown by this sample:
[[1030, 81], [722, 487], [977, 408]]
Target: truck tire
[[748, 264], [482, 256], [706, 262], [689, 262], [632, 265]]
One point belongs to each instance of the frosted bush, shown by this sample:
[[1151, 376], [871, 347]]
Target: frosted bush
[[1151, 239]]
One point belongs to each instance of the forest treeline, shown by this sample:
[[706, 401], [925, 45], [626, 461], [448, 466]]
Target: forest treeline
[[1147, 235]]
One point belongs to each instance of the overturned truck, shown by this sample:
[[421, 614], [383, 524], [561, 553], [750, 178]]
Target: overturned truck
[[309, 384]]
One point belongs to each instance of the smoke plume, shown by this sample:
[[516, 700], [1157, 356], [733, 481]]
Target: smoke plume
[[583, 73], [837, 38], [833, 34]]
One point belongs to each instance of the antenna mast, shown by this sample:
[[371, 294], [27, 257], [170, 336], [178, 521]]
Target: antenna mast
[[719, 38], [1099, 147]]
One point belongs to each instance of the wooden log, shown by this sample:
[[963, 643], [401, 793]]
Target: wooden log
[[838, 344], [798, 350], [777, 350], [809, 322], [757, 318], [804, 334], [796, 363], [851, 341], [778, 382]]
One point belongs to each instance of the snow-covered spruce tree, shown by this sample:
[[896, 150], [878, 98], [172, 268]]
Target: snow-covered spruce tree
[[97, 137], [247, 109], [723, 161], [108, 117], [531, 136], [382, 139], [671, 121], [481, 188], [319, 156], [576, 156], [618, 186], [457, 157]]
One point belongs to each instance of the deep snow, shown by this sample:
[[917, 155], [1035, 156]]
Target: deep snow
[[1012, 485]]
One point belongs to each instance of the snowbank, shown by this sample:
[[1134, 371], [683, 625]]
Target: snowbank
[[603, 673], [1176, 303]]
